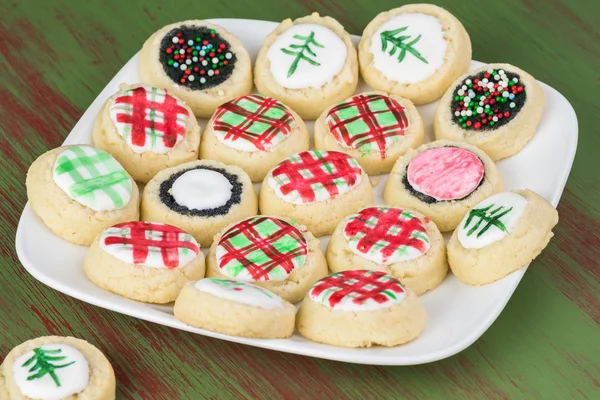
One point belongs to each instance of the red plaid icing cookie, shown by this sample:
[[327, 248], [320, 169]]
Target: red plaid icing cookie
[[386, 235], [149, 119], [149, 244], [358, 290], [314, 175], [261, 249]]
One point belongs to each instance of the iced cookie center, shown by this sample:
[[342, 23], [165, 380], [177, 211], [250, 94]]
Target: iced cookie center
[[201, 189], [445, 173], [358, 290], [152, 245], [261, 249], [51, 372], [240, 292], [306, 55], [409, 48], [491, 220], [149, 119], [386, 235]]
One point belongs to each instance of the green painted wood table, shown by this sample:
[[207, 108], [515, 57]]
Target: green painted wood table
[[56, 56]]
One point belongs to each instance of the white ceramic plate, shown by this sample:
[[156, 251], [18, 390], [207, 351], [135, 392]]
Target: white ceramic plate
[[457, 314]]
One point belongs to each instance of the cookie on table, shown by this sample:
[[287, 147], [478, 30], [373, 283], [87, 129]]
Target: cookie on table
[[235, 308], [496, 108], [199, 62], [53, 368], [254, 132], [308, 64], [146, 129], [78, 191], [415, 51], [144, 261], [443, 180], [399, 242], [316, 188], [372, 127], [200, 197], [361, 309], [270, 252], [502, 234]]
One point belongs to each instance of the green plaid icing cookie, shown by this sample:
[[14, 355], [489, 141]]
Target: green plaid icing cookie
[[252, 123], [93, 178]]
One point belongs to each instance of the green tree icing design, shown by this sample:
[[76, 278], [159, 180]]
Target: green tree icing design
[[43, 364], [398, 44], [300, 51], [491, 216]]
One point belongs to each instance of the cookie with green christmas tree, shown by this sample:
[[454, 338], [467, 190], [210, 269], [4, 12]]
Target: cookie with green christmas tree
[[54, 368], [500, 235]]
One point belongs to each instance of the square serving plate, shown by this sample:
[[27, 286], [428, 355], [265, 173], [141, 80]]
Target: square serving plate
[[457, 314]]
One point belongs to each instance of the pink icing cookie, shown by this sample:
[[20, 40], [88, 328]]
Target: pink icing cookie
[[445, 173]]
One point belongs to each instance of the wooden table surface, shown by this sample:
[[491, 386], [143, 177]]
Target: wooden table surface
[[57, 55]]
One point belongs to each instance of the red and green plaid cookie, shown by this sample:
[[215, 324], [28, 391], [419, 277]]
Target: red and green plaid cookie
[[150, 244], [368, 122], [358, 290], [252, 123], [261, 249], [386, 235], [314, 175], [149, 119]]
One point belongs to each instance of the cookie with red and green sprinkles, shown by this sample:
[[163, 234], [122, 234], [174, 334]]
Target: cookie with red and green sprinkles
[[496, 108], [202, 63]]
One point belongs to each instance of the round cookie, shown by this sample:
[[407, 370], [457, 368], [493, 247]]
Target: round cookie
[[200, 197], [373, 128], [54, 367], [402, 243], [199, 62], [415, 51], [144, 261], [270, 252], [443, 180], [235, 308], [316, 188], [78, 191], [360, 309], [309, 64], [499, 235], [254, 132], [496, 108], [146, 129]]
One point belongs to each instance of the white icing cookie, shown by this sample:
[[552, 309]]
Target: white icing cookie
[[240, 292], [201, 189]]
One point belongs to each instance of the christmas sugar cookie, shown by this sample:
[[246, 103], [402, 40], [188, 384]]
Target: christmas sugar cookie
[[360, 309], [399, 242], [199, 62], [200, 197], [78, 191], [235, 308], [309, 64], [499, 235], [415, 51], [316, 188], [496, 108], [146, 129], [144, 261], [373, 128], [254, 132], [53, 368], [270, 252]]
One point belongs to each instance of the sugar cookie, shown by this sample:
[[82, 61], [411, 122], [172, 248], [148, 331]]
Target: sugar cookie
[[254, 132], [360, 309], [308, 64], [78, 191], [199, 62], [499, 235]]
